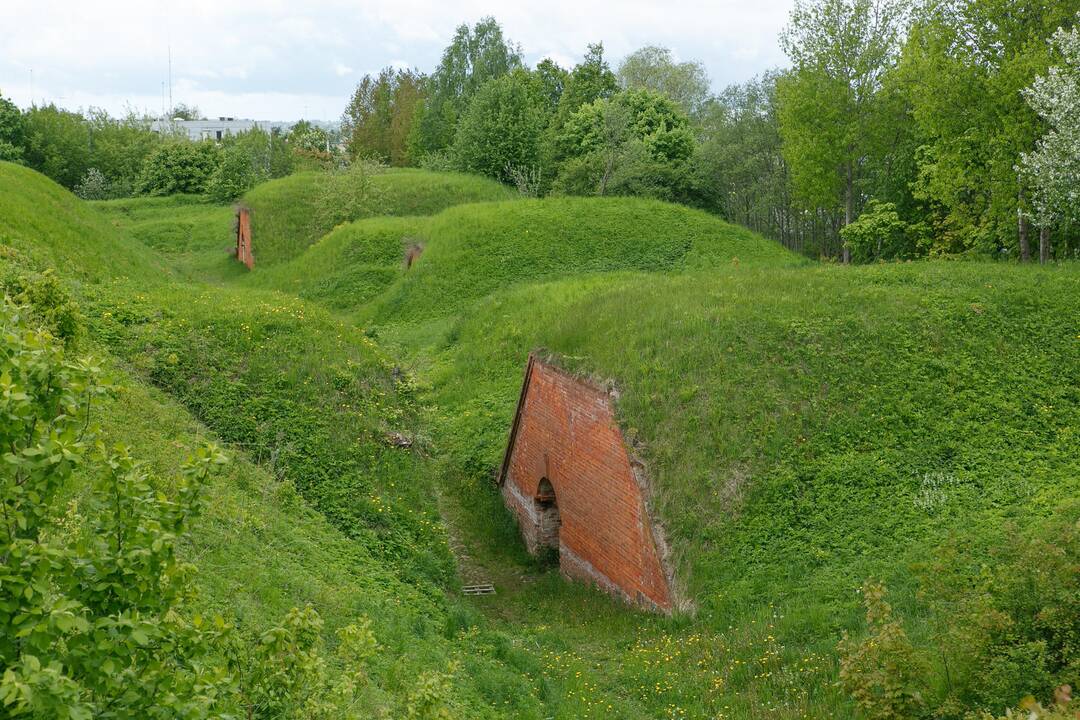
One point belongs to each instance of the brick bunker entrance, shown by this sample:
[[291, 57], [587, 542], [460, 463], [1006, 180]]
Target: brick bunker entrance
[[243, 237], [572, 483]]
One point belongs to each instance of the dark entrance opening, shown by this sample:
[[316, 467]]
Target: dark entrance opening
[[547, 509]]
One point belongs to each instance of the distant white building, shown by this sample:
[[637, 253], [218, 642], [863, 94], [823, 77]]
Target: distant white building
[[218, 128]]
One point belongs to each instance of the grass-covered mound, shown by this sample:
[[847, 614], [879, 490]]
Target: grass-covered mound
[[197, 238], [47, 223], [474, 250], [348, 266], [805, 429], [291, 213], [322, 504]]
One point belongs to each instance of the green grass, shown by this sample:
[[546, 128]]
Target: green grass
[[348, 266], [285, 217], [791, 420], [474, 250], [197, 238], [46, 223], [795, 419], [317, 507]]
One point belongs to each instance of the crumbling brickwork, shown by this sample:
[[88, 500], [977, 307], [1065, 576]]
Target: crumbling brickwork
[[569, 479], [243, 237]]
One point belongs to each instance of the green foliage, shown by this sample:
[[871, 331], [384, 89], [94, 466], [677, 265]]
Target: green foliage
[[92, 603], [653, 68], [474, 56], [878, 234], [502, 127], [1054, 166], [94, 186], [41, 295], [57, 144], [233, 176], [178, 167], [379, 117], [12, 131], [635, 143], [964, 67], [881, 672], [830, 103]]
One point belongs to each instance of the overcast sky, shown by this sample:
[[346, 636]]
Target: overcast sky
[[287, 59]]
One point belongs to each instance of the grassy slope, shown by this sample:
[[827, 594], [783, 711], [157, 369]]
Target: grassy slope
[[267, 375], [794, 421], [44, 221], [285, 222], [195, 237], [473, 251], [349, 266]]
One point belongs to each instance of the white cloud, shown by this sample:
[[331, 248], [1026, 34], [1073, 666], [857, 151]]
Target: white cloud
[[271, 58]]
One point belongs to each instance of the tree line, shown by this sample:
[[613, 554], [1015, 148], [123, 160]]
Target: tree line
[[902, 128], [102, 157]]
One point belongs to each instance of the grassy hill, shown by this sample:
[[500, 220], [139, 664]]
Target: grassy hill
[[806, 428], [321, 505], [45, 222], [290, 214], [471, 250]]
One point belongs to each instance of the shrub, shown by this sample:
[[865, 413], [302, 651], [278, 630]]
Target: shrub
[[233, 176], [878, 234], [502, 126], [92, 600], [181, 167], [94, 186], [348, 194], [881, 672]]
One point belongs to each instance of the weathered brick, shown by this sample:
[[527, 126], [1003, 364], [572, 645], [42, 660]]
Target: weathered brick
[[565, 441]]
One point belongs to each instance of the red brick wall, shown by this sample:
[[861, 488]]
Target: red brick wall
[[566, 431], [243, 238]]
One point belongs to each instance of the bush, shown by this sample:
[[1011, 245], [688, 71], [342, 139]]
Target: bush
[[881, 672], [92, 600], [181, 167], [878, 234], [502, 126], [94, 186], [233, 176]]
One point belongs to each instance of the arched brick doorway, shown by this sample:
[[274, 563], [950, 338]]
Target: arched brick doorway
[[547, 512], [565, 433]]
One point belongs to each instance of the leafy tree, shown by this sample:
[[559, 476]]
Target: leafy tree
[[474, 56], [234, 175], [652, 67], [380, 115], [877, 234], [552, 80], [1054, 166], [58, 144], [12, 131], [841, 49], [589, 81], [964, 67], [178, 167], [180, 111], [94, 186], [637, 142], [503, 125], [118, 148]]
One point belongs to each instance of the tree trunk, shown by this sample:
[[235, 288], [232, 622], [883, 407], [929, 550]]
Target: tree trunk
[[849, 210], [1025, 246], [1044, 244]]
